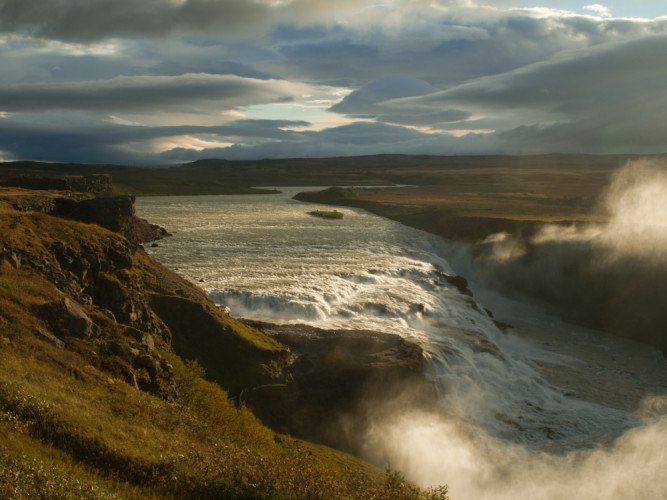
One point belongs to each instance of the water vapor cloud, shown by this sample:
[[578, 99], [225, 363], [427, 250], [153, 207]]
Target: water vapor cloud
[[433, 450], [610, 275]]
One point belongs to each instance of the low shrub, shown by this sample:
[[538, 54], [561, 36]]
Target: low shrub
[[327, 214]]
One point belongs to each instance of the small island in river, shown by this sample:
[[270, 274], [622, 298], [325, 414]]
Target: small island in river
[[327, 214]]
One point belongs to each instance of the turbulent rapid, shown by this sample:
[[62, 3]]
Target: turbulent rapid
[[542, 393]]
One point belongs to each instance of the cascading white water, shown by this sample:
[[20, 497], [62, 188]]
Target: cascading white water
[[266, 258]]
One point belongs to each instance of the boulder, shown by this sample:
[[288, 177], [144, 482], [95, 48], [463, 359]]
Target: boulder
[[13, 258], [148, 341], [337, 379], [49, 337], [78, 322]]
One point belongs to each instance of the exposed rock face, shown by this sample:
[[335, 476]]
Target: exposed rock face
[[84, 198], [114, 213], [13, 258], [78, 323], [99, 307], [459, 282], [49, 337], [338, 381], [106, 280]]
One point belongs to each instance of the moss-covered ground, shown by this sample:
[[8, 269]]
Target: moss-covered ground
[[73, 426]]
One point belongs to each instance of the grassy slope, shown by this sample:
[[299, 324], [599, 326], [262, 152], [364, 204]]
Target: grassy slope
[[72, 428]]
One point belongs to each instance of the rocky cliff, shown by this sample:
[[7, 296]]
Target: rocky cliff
[[338, 382], [95, 303], [99, 284], [84, 198], [115, 213], [108, 302]]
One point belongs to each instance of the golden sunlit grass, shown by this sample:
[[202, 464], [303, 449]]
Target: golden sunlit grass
[[99, 436], [71, 426]]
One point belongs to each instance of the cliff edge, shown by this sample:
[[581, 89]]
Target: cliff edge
[[97, 399]]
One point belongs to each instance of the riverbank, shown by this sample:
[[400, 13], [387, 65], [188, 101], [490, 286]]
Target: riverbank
[[570, 257], [466, 217], [117, 371]]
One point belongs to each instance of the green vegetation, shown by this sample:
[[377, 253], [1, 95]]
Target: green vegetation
[[69, 430], [125, 393], [139, 402], [327, 214], [235, 355], [138, 446]]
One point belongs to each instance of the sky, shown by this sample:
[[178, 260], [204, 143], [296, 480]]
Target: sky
[[161, 82]]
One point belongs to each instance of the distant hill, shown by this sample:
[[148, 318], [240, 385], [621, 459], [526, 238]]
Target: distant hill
[[213, 176]]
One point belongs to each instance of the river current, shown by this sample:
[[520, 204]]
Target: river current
[[542, 396]]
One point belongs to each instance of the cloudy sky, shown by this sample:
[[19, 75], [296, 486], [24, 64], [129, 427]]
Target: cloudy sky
[[169, 81]]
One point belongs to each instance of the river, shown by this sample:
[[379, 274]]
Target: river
[[543, 396]]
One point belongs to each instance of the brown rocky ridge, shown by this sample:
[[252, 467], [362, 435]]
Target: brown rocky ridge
[[120, 309]]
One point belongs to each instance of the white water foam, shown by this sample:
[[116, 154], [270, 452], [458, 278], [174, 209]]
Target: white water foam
[[265, 258]]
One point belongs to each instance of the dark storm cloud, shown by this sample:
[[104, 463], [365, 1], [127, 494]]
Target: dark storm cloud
[[608, 98], [85, 21], [361, 138], [369, 102], [68, 136], [527, 81], [143, 93], [575, 81], [461, 48], [365, 99], [211, 66]]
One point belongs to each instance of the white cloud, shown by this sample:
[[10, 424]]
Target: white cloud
[[265, 73], [612, 86], [600, 10]]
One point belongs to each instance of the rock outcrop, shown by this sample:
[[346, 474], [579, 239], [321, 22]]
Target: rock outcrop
[[98, 305], [115, 213], [78, 322], [95, 303], [84, 198], [105, 300], [338, 382]]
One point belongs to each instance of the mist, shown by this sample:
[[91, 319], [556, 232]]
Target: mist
[[609, 275], [431, 449], [503, 425]]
